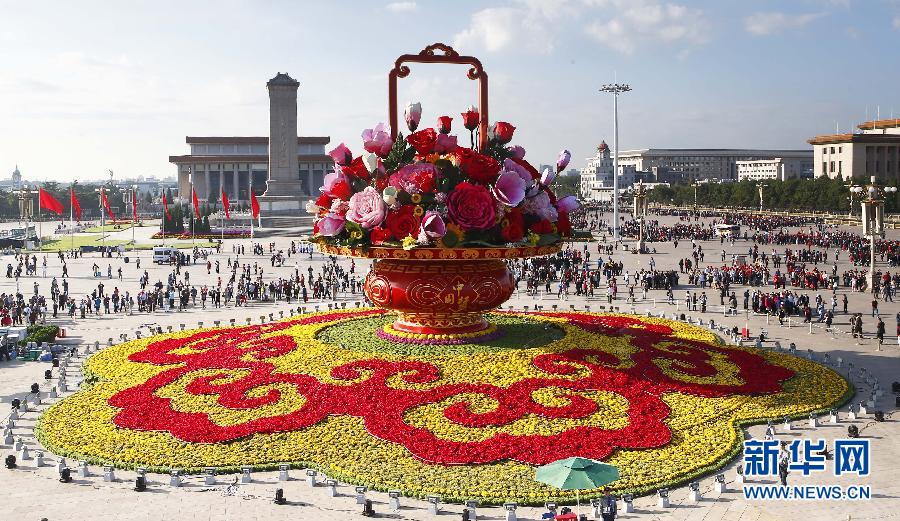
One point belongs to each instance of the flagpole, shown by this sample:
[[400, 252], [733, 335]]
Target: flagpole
[[251, 208], [72, 215], [40, 219]]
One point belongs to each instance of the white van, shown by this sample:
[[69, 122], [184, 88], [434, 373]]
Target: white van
[[163, 254], [728, 230]]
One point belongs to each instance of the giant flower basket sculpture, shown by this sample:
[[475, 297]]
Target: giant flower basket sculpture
[[440, 216]]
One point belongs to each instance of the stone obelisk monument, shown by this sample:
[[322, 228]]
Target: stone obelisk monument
[[283, 195]]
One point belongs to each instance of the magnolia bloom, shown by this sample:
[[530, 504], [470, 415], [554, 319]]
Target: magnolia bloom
[[371, 162], [367, 208], [330, 225], [341, 155], [432, 227], [445, 144], [509, 188], [548, 176], [540, 207], [389, 195], [517, 152], [377, 140], [412, 115], [330, 180], [512, 166], [563, 161], [568, 204]]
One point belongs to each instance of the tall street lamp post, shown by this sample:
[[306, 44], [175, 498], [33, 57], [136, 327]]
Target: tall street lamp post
[[873, 218], [640, 212], [615, 89]]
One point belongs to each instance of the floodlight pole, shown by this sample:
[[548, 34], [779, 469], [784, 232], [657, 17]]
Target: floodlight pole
[[615, 89]]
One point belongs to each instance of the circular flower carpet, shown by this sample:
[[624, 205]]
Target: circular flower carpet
[[661, 400]]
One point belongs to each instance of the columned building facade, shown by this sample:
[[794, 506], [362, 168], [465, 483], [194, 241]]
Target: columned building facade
[[875, 151], [234, 164], [695, 164]]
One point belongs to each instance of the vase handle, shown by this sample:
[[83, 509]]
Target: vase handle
[[428, 55]]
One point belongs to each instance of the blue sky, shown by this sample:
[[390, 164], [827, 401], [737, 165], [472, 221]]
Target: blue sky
[[90, 86]]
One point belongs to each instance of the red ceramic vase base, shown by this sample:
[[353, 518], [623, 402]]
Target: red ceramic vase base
[[479, 323], [440, 296]]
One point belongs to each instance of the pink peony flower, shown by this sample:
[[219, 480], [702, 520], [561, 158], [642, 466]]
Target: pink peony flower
[[330, 225], [415, 178], [432, 227], [445, 144], [541, 207], [377, 140], [367, 208], [509, 188]]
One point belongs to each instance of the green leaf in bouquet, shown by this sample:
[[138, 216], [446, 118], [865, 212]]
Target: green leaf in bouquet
[[548, 238], [394, 159]]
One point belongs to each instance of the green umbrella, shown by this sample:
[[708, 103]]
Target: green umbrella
[[576, 474]]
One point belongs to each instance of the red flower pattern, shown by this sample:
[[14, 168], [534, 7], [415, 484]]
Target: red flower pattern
[[639, 380]]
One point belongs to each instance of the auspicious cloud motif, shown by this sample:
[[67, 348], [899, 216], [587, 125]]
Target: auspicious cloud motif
[[363, 389]]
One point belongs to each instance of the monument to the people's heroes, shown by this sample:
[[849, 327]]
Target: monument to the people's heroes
[[283, 193]]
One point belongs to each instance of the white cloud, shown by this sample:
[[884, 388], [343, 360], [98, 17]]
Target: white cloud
[[633, 24], [498, 28], [762, 24], [897, 23], [401, 7], [623, 25]]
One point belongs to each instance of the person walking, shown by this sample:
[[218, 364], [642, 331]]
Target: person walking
[[879, 331]]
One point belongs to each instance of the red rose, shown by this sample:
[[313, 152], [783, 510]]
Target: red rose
[[503, 131], [341, 190], [378, 235], [444, 124], [472, 207], [423, 141], [470, 119], [478, 167], [324, 201], [527, 166], [402, 222], [357, 169], [543, 226], [513, 229], [563, 225]]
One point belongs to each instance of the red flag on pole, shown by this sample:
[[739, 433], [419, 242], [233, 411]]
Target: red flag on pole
[[254, 204], [105, 202], [47, 201], [196, 203], [166, 208], [75, 205], [134, 204], [225, 204]]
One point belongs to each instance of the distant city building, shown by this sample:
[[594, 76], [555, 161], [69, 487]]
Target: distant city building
[[597, 175], [231, 162], [699, 163], [873, 152], [779, 168], [14, 182], [151, 185]]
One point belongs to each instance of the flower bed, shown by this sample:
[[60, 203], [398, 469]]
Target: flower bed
[[663, 401], [229, 234]]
